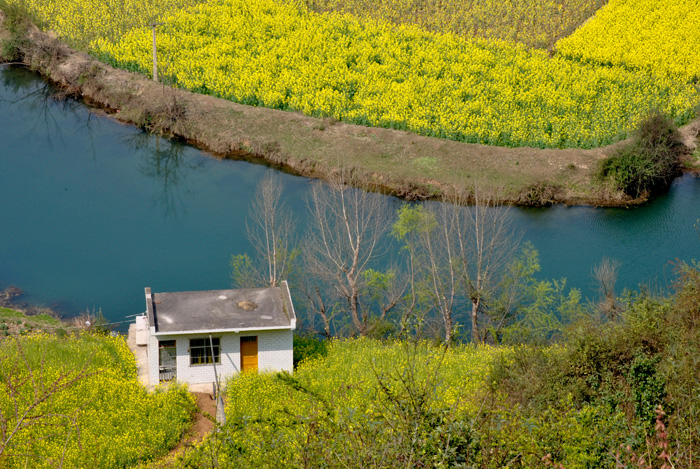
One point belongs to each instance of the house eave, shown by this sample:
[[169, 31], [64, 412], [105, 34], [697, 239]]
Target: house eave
[[221, 331], [291, 314]]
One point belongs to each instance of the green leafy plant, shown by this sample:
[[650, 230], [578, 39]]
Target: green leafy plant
[[650, 162], [16, 19], [308, 346]]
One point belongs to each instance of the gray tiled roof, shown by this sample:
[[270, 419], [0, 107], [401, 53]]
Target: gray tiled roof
[[215, 310]]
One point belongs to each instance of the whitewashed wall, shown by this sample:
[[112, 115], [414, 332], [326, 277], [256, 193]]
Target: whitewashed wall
[[275, 353]]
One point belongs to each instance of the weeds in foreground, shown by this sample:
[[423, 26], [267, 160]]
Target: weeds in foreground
[[658, 449]]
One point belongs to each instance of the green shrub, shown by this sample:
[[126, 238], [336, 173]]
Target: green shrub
[[648, 386], [307, 347], [573, 435], [18, 20], [681, 364], [650, 162]]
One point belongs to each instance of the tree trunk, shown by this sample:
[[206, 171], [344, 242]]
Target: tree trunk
[[476, 338], [447, 319]]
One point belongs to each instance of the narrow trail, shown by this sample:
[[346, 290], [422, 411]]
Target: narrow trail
[[201, 427]]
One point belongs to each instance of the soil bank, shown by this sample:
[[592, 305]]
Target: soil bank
[[397, 162]]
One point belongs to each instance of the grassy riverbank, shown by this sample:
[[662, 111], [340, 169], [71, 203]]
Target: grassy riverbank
[[13, 322], [402, 163]]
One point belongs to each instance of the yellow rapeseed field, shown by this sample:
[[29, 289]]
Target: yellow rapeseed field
[[271, 416], [659, 36], [77, 402], [279, 55], [79, 22]]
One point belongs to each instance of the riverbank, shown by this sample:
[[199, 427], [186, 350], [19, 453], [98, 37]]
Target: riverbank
[[397, 162], [11, 299], [14, 322]]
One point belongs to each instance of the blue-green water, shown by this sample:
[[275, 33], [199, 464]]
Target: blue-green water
[[93, 211]]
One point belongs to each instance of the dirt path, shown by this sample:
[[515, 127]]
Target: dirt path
[[403, 164], [201, 426]]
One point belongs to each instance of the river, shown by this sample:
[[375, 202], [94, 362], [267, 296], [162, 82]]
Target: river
[[93, 211]]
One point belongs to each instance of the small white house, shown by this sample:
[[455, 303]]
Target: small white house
[[191, 335]]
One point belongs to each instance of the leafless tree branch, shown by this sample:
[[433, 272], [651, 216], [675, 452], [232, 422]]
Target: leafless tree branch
[[344, 236]]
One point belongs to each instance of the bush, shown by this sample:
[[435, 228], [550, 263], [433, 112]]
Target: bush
[[650, 162], [16, 19], [307, 347]]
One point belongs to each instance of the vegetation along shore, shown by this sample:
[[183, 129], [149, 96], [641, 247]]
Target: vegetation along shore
[[414, 100], [616, 386]]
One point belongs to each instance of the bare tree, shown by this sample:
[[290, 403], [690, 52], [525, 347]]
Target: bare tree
[[318, 305], [270, 228], [345, 233], [463, 253], [487, 244]]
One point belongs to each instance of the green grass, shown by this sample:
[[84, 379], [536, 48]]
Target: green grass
[[39, 319], [14, 323]]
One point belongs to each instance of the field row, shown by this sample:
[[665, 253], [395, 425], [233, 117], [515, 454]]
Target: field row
[[535, 23], [659, 37], [80, 22], [279, 55]]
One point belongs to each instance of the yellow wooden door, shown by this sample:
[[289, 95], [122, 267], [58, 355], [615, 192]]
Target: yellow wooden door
[[249, 353]]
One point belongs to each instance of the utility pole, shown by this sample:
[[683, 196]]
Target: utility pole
[[155, 57]]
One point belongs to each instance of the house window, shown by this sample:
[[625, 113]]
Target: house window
[[200, 351]]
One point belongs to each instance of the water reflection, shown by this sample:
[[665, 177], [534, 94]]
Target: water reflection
[[47, 107], [166, 163]]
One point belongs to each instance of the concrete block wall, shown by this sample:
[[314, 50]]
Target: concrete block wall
[[275, 350], [142, 330], [275, 353], [152, 358]]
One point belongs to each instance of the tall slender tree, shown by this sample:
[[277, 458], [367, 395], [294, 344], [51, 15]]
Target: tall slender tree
[[461, 255], [344, 238], [487, 244], [270, 228]]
